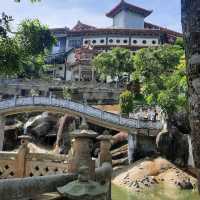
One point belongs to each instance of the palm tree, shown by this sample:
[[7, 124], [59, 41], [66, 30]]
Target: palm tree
[[191, 29]]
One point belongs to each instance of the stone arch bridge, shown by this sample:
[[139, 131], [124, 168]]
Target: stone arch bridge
[[92, 114]]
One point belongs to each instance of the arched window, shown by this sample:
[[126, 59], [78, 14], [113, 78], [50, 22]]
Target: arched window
[[118, 41], [144, 41], [154, 42], [135, 41], [111, 40]]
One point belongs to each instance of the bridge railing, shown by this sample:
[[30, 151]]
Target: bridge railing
[[82, 109]]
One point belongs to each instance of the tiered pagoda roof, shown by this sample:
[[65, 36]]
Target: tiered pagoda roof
[[126, 6], [81, 27]]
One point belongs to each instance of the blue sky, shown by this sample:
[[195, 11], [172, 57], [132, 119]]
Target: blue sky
[[61, 13]]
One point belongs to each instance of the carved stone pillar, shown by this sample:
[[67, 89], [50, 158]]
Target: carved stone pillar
[[105, 156], [83, 188], [2, 125], [105, 145], [82, 148]]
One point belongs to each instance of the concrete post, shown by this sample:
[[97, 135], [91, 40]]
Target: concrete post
[[2, 126], [132, 147]]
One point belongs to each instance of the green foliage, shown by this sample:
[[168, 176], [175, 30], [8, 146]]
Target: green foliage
[[34, 37], [163, 77], [180, 42], [114, 63], [4, 25], [67, 93], [10, 57], [24, 53], [126, 102]]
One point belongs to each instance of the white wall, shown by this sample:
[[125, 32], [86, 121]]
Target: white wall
[[119, 20], [149, 41], [127, 19], [71, 58], [97, 39], [121, 39]]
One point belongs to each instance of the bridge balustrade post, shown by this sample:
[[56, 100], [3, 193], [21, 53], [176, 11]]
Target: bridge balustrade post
[[138, 123], [50, 98], [102, 115], [120, 119], [2, 126], [33, 99], [15, 100]]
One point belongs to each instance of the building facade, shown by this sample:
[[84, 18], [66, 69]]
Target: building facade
[[129, 30]]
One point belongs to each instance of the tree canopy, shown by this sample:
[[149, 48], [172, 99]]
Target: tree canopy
[[23, 53], [126, 102], [114, 63], [161, 71], [34, 37]]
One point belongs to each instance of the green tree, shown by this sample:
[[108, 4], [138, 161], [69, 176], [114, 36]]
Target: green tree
[[10, 56], [161, 71], [24, 53], [114, 63], [5, 25], [34, 37], [36, 41], [126, 102]]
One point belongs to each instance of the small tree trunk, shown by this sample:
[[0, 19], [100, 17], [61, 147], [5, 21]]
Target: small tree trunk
[[191, 29]]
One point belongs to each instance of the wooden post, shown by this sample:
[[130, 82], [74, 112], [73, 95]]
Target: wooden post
[[2, 124]]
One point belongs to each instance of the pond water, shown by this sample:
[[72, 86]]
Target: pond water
[[156, 193]]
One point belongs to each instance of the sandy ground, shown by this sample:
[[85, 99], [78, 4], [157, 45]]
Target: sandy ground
[[109, 108], [147, 173]]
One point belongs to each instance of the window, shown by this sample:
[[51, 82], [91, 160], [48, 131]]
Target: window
[[60, 68], [111, 40], [86, 41], [125, 41], [94, 41], [154, 42], [101, 41], [57, 44], [144, 41], [135, 41], [75, 43], [118, 41]]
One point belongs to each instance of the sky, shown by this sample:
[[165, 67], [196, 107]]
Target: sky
[[66, 13]]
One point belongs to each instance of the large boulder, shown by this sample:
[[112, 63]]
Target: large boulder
[[42, 125], [173, 145]]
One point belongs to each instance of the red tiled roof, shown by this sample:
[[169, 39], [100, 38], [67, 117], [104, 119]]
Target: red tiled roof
[[126, 6], [80, 27], [106, 31], [148, 25]]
